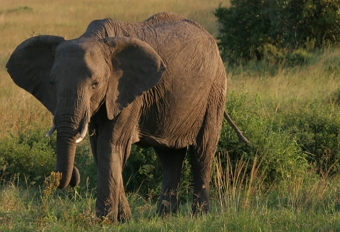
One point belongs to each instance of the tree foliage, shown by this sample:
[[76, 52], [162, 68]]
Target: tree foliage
[[254, 29]]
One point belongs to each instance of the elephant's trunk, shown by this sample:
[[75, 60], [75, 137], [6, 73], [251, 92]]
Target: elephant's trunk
[[70, 120], [68, 129], [66, 149]]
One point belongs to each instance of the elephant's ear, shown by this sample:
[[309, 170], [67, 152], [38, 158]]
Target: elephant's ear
[[136, 68], [30, 65]]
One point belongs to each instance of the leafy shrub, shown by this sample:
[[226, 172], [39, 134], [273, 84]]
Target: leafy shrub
[[281, 156], [27, 154], [316, 129], [143, 173], [242, 30], [289, 141], [250, 29]]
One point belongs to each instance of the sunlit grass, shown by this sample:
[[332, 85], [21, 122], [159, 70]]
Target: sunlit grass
[[20, 19], [289, 87]]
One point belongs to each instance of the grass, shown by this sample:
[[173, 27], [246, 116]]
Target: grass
[[302, 205], [286, 180], [277, 85]]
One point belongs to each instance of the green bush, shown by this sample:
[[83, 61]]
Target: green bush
[[252, 29], [142, 172], [280, 156], [289, 141], [243, 30], [316, 129], [28, 155]]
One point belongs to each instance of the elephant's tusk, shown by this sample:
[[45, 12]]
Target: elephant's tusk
[[82, 134], [50, 132]]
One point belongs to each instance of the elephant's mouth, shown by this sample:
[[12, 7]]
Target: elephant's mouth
[[78, 140]]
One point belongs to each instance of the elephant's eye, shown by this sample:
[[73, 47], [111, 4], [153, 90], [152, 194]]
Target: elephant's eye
[[94, 85]]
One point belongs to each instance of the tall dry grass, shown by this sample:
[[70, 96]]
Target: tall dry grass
[[237, 189], [278, 86], [21, 19]]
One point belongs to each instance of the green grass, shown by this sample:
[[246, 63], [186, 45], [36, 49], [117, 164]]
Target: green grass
[[287, 179], [302, 205]]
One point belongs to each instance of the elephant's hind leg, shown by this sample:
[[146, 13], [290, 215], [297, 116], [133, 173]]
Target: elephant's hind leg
[[201, 162], [202, 155], [171, 162]]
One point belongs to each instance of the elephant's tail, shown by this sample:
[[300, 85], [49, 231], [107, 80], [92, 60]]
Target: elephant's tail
[[233, 125]]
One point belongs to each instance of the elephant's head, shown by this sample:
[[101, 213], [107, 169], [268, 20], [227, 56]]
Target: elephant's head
[[74, 78]]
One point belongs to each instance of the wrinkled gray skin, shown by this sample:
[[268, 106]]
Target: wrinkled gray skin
[[158, 83]]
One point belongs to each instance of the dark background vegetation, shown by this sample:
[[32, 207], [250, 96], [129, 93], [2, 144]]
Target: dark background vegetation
[[280, 30]]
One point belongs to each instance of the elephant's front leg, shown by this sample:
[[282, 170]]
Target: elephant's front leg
[[111, 199]]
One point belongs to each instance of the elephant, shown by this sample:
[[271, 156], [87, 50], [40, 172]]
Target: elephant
[[158, 83]]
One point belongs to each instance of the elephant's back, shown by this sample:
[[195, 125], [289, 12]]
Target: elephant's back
[[164, 18], [172, 36], [187, 49], [167, 31]]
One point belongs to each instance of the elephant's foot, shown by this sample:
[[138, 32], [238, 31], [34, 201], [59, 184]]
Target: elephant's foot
[[115, 213], [168, 204], [124, 214], [121, 215], [107, 210], [199, 206], [124, 211]]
